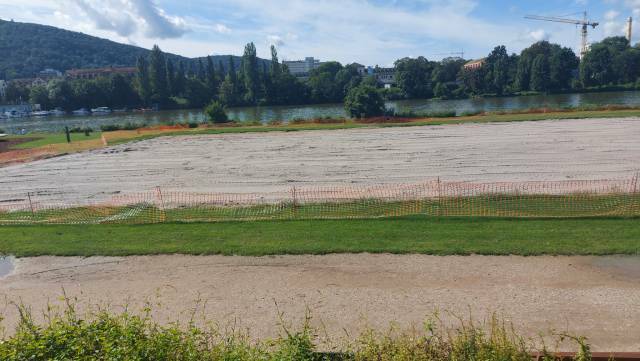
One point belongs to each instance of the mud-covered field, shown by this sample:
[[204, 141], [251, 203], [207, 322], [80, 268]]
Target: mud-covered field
[[265, 162], [596, 297]]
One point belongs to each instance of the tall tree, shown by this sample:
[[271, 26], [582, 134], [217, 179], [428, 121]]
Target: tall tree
[[171, 78], [540, 76], [228, 93], [275, 64], [496, 71], [200, 72], [158, 76], [562, 65], [143, 82], [179, 81], [249, 74], [212, 78], [413, 77]]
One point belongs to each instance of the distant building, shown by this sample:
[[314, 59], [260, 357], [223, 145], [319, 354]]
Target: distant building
[[302, 68], [29, 82], [362, 70], [474, 64], [385, 76], [49, 74], [99, 72], [3, 88]]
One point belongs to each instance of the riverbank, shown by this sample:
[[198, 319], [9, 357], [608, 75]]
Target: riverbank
[[146, 132]]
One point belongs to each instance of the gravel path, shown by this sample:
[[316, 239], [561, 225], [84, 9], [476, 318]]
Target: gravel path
[[597, 297], [265, 162]]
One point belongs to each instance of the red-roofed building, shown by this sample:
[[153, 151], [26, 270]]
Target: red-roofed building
[[98, 72]]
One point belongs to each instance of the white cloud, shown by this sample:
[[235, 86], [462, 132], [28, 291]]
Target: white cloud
[[128, 17], [222, 29], [611, 15], [538, 35], [275, 40]]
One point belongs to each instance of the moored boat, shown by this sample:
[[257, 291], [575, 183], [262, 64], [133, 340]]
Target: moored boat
[[101, 110], [81, 111], [40, 113]]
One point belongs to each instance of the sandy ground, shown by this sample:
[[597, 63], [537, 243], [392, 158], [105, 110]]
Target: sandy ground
[[265, 162], [598, 297]]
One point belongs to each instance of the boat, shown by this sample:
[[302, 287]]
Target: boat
[[15, 114], [101, 110], [40, 113], [81, 111], [57, 111]]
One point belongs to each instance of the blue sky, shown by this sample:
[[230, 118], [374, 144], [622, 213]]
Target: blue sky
[[366, 31]]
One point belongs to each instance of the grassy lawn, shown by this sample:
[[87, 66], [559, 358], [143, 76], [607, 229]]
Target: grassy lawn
[[51, 138], [427, 235]]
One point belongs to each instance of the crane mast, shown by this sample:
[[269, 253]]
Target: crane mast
[[585, 23]]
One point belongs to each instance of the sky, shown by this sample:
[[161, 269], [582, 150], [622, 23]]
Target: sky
[[370, 32]]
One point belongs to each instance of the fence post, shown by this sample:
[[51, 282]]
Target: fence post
[[439, 198], [635, 183], [163, 214], [294, 203], [30, 204]]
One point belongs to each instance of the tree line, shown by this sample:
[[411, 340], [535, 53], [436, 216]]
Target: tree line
[[543, 67]]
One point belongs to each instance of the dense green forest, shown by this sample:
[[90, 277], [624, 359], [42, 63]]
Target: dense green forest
[[170, 81]]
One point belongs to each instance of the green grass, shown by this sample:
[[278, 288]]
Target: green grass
[[51, 138], [427, 235]]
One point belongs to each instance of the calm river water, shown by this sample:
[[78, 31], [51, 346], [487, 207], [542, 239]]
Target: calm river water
[[286, 113]]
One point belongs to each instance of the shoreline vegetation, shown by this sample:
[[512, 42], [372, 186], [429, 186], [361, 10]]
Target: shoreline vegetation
[[44, 145], [163, 81], [68, 334]]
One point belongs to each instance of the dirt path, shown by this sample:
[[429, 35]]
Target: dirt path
[[270, 162], [598, 297]]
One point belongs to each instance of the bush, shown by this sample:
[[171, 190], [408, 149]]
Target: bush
[[107, 336], [193, 125], [126, 126], [110, 127], [364, 101], [86, 130], [413, 114], [299, 121], [216, 113]]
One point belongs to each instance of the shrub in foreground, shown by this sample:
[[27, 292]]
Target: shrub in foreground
[[105, 336], [216, 112], [364, 101]]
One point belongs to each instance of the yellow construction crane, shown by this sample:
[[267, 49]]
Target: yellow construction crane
[[585, 23]]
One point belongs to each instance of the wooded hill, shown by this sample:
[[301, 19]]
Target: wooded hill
[[29, 48]]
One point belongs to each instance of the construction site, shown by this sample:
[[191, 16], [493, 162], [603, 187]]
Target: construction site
[[554, 168], [503, 235]]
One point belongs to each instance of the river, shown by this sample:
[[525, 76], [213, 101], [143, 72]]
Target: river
[[287, 113]]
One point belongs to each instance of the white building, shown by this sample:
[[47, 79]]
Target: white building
[[385, 76], [302, 68]]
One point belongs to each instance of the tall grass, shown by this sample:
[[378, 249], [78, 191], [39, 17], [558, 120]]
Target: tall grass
[[108, 336]]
